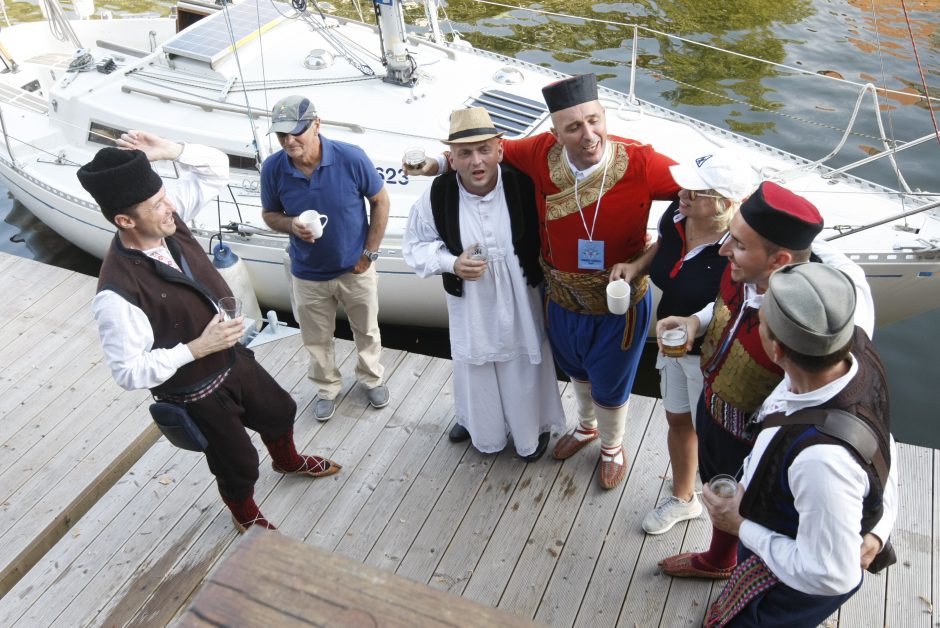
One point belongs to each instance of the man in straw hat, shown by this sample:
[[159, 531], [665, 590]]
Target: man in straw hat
[[773, 228], [160, 326], [820, 474], [593, 194], [478, 227], [337, 268]]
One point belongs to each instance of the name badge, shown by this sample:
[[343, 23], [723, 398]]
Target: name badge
[[591, 254]]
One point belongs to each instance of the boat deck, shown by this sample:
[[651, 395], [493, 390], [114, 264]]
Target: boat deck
[[103, 523]]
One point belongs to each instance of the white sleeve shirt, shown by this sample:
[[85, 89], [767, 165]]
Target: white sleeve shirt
[[828, 487], [126, 333]]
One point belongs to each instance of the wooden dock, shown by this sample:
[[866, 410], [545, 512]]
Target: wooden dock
[[104, 523]]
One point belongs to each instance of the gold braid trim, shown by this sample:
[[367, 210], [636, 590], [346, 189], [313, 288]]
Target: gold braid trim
[[563, 203], [586, 293]]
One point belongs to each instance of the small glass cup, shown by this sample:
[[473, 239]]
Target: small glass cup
[[723, 485], [478, 252], [414, 160], [231, 308], [674, 342]]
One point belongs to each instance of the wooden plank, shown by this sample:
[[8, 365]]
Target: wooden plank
[[562, 599], [427, 377], [626, 581], [449, 557], [44, 585], [280, 588], [909, 580], [379, 509], [28, 280], [76, 585]]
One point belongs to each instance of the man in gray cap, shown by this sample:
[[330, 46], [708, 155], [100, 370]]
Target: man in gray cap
[[824, 455], [478, 228], [160, 326], [336, 267]]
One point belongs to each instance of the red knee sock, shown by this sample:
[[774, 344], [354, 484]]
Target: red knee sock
[[722, 552], [283, 452], [246, 513]]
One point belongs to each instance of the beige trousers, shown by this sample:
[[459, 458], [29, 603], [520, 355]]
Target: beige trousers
[[316, 303]]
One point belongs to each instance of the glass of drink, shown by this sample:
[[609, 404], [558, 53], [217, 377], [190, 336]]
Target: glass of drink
[[414, 160], [674, 341], [478, 252], [723, 485], [231, 307]]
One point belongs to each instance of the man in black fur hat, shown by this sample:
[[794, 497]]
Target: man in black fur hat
[[160, 325]]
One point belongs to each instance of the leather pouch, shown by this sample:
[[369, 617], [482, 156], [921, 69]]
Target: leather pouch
[[178, 427]]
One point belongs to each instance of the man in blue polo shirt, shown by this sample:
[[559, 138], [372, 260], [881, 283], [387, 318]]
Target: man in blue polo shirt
[[333, 178]]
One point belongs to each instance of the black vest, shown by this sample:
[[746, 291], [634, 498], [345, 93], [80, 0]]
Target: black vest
[[523, 219], [768, 499], [178, 305]]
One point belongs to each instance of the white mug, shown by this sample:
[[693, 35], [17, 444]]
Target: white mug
[[315, 221], [618, 297]]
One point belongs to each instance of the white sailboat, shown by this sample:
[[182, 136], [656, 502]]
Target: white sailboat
[[382, 88]]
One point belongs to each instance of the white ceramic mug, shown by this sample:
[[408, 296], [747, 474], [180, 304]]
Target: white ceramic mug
[[315, 221], [618, 297]]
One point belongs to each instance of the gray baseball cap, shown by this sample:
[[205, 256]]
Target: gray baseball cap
[[291, 114], [810, 308]]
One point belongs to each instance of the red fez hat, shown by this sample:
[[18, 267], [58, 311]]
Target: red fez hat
[[782, 217]]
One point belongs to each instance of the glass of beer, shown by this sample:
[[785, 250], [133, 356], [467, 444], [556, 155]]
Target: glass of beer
[[674, 341], [414, 160], [723, 485]]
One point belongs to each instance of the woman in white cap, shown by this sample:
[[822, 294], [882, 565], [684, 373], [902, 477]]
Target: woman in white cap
[[686, 266]]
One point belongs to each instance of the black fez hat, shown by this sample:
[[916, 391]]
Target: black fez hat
[[118, 179], [782, 217], [570, 92]]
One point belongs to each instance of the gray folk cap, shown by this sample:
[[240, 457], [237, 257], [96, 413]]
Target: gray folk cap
[[810, 308]]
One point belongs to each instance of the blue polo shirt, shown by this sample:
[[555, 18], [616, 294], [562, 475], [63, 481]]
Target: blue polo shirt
[[338, 188]]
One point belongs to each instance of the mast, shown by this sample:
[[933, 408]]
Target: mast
[[399, 65]]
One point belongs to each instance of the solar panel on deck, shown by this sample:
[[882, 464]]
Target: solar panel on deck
[[209, 39]]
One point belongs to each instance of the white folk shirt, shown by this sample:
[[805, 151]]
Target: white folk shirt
[[828, 487], [126, 334], [499, 316]]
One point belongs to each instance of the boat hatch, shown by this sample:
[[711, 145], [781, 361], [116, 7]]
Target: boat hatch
[[512, 114], [209, 40]]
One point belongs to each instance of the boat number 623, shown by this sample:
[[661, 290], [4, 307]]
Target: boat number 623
[[393, 176]]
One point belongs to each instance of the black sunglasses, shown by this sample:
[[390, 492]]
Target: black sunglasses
[[305, 128]]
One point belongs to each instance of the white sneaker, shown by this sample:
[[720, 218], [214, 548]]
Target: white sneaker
[[669, 513]]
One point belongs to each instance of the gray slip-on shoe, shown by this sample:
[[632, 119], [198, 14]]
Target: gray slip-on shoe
[[378, 396], [323, 409]]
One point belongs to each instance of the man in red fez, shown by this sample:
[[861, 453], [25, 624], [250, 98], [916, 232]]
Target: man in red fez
[[773, 228]]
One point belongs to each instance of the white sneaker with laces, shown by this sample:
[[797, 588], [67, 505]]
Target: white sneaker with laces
[[670, 512]]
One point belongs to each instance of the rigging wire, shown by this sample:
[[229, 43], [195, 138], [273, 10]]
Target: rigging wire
[[241, 78], [920, 69]]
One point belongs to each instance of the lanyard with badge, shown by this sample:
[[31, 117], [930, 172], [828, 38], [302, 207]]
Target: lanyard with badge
[[591, 252]]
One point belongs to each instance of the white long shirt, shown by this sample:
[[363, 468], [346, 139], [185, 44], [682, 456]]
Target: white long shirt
[[828, 488], [499, 317], [126, 333]]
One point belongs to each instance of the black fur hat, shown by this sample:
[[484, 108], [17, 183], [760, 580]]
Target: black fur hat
[[118, 179]]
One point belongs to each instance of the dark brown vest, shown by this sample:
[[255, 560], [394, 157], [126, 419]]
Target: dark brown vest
[[768, 499], [178, 305]]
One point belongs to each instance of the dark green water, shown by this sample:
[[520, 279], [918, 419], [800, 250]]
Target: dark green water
[[859, 41]]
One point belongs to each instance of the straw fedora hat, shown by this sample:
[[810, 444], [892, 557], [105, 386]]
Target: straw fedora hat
[[470, 125]]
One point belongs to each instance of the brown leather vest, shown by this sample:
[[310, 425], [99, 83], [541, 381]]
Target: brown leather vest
[[178, 305]]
